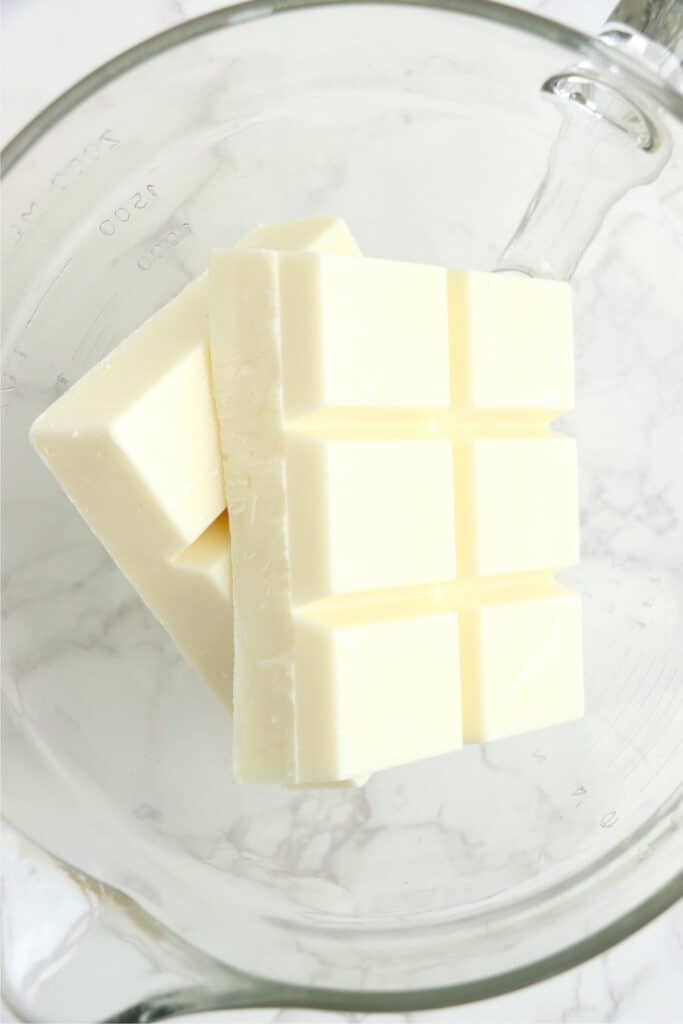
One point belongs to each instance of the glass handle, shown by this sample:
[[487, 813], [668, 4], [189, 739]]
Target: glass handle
[[611, 139], [651, 33], [659, 21]]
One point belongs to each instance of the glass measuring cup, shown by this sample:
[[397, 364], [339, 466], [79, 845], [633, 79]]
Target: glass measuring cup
[[444, 881]]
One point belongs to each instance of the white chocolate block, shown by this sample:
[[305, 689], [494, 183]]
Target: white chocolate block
[[135, 446], [525, 504], [315, 234], [512, 340], [285, 489], [363, 490], [366, 515], [169, 441], [373, 315], [528, 674], [247, 375], [374, 694]]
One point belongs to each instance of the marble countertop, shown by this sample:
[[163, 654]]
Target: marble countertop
[[642, 978]]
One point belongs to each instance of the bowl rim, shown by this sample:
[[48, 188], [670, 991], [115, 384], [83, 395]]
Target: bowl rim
[[248, 10], [20, 146]]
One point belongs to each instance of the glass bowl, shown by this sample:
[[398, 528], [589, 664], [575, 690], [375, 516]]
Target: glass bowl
[[452, 879]]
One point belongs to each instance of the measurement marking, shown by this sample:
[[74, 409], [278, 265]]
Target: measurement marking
[[89, 155], [140, 200], [164, 245], [670, 756], [580, 792], [659, 700], [93, 323], [47, 291], [627, 699], [627, 743]]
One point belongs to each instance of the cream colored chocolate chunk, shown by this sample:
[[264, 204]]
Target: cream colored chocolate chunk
[[135, 446], [376, 500]]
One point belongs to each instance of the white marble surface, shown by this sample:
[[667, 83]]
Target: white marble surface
[[637, 981]]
